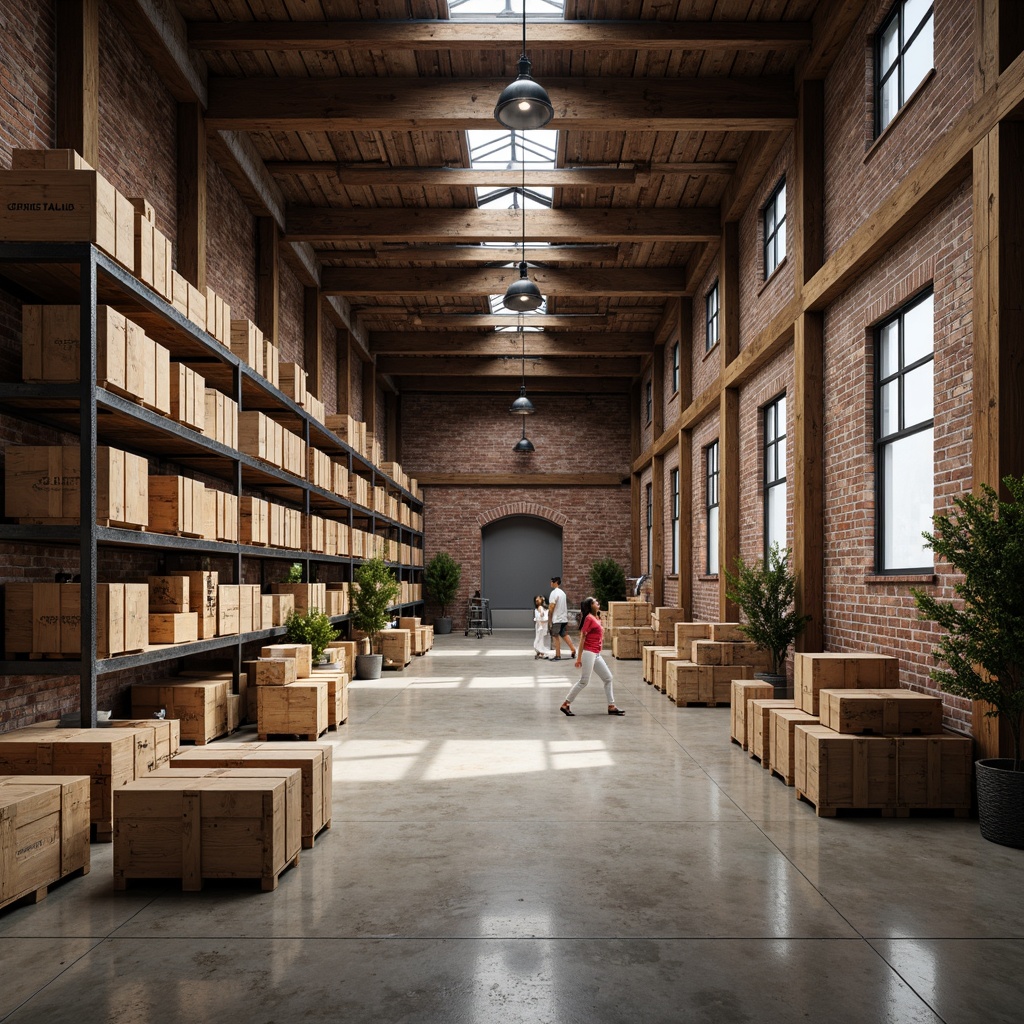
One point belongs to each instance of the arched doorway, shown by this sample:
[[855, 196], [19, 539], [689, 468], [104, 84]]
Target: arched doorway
[[519, 554]]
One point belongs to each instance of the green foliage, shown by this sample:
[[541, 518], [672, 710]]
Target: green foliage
[[294, 573], [374, 591], [764, 593], [313, 628], [607, 581], [984, 643], [442, 577]]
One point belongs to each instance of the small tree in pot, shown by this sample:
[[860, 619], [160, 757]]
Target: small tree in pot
[[442, 577], [313, 628], [764, 593], [984, 643], [374, 591], [607, 581]]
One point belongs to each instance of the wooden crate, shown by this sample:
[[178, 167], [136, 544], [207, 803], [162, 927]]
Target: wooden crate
[[111, 757], [43, 485], [282, 605], [296, 709], [659, 660], [348, 650], [199, 705], [647, 657], [227, 609], [292, 381], [396, 647], [683, 635], [188, 397], [156, 376], [166, 733], [255, 436], [337, 694], [880, 712], [840, 671], [67, 206], [202, 599], [701, 684], [255, 521], [169, 594], [247, 343], [313, 760], [173, 628], [934, 772], [742, 690], [176, 505], [726, 632], [44, 833], [272, 671], [227, 826], [759, 726], [781, 723], [680, 675], [715, 652], [307, 595], [302, 654], [836, 772]]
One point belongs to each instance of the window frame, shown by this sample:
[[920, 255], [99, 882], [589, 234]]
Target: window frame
[[882, 442], [650, 528], [904, 44], [674, 489], [675, 368], [649, 401], [712, 322], [771, 448], [712, 472], [769, 240]]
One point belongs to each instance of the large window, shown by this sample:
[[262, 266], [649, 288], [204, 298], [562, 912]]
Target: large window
[[650, 528], [675, 367], [903, 57], [674, 479], [904, 409], [775, 229], [711, 505], [775, 475], [711, 318]]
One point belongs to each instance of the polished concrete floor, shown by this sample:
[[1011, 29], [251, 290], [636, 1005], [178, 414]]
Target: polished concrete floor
[[491, 860]]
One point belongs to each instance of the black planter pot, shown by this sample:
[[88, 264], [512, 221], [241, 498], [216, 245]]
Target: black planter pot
[[368, 666], [779, 682], [442, 626], [1000, 801]]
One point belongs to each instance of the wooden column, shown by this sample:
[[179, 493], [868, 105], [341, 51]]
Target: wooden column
[[313, 343], [729, 295], [807, 411], [685, 352], [685, 446], [267, 277], [728, 497], [658, 527], [370, 397], [77, 87], [344, 401], [191, 241]]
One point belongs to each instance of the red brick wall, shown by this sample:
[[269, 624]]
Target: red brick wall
[[859, 171], [290, 317], [230, 245], [860, 611], [705, 588], [26, 76], [705, 364]]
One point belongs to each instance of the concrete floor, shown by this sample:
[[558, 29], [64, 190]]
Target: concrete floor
[[493, 861]]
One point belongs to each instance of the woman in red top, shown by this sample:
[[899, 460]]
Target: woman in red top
[[588, 657]]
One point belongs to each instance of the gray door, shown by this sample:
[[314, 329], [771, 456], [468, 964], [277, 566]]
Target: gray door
[[519, 555]]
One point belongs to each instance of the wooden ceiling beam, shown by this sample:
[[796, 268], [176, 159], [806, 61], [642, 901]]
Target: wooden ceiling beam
[[500, 386], [510, 366], [464, 321], [423, 282], [469, 254], [502, 343], [470, 177], [278, 36], [443, 104], [333, 224]]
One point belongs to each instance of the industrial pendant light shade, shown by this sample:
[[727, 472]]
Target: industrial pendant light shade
[[524, 104], [522, 295], [524, 446], [522, 406]]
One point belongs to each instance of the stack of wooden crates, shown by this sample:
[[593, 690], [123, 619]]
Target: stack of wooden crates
[[851, 738]]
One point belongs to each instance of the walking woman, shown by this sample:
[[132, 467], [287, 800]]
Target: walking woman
[[540, 628], [588, 657]]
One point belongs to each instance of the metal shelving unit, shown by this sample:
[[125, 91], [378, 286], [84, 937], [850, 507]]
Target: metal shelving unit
[[79, 273]]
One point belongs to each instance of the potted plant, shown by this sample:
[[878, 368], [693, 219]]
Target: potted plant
[[374, 591], [607, 581], [764, 593], [294, 574], [442, 576], [313, 628], [983, 645]]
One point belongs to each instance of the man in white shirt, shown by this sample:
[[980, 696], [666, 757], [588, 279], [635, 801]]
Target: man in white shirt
[[558, 613]]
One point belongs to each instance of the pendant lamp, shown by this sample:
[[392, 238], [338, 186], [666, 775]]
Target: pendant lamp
[[522, 406], [523, 295], [524, 446], [524, 104]]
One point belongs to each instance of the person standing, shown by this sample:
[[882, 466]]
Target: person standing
[[558, 612], [589, 657], [540, 629]]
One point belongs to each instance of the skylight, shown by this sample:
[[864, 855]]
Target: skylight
[[479, 10]]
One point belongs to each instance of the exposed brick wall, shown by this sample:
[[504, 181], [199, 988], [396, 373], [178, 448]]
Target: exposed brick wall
[[705, 588], [705, 364], [26, 76], [859, 613], [230, 245], [859, 172], [290, 316]]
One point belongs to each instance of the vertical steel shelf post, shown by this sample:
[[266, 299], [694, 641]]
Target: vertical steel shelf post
[[87, 485]]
